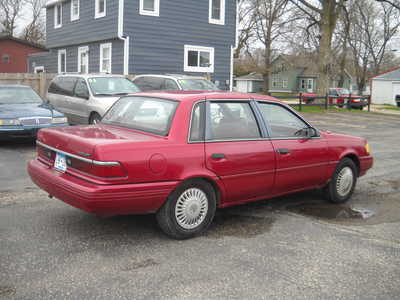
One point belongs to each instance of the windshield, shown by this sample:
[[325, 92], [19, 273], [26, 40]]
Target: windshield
[[142, 113], [18, 95], [344, 92], [197, 84], [111, 86]]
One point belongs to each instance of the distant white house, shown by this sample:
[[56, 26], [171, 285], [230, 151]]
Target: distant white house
[[250, 83], [385, 87]]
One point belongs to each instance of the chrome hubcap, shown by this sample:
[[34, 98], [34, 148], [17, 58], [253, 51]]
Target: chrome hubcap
[[191, 208], [344, 181]]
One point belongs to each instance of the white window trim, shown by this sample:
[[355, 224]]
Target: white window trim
[[80, 50], [75, 17], [221, 20], [97, 14], [209, 69], [62, 51], [155, 13], [102, 47], [310, 82], [56, 14], [38, 68]]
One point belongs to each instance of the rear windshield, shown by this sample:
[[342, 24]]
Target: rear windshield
[[197, 84], [18, 95], [142, 113], [112, 86]]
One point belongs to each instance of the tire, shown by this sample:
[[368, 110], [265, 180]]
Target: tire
[[176, 221], [94, 118], [341, 186]]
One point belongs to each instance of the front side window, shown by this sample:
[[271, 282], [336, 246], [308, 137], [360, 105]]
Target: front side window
[[62, 61], [142, 113], [149, 7], [111, 86], [231, 121], [81, 89], [199, 59], [100, 9], [217, 12], [282, 123], [105, 58], [83, 60], [58, 15], [170, 85], [74, 10]]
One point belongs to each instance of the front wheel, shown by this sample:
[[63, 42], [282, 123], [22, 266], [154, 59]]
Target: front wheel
[[189, 210], [343, 182]]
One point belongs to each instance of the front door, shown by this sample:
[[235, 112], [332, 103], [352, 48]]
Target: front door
[[301, 162], [236, 151]]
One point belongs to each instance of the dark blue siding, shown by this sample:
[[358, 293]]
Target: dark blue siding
[[50, 60], [157, 43], [86, 29]]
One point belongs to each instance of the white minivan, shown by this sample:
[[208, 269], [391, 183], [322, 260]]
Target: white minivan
[[85, 98]]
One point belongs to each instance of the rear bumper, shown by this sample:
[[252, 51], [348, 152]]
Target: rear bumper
[[366, 163], [103, 200]]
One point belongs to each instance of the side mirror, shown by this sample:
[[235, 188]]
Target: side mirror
[[311, 132]]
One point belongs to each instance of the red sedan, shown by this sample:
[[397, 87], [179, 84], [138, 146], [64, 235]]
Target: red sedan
[[181, 155]]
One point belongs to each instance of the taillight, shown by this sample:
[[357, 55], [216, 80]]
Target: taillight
[[355, 100], [108, 171], [45, 153]]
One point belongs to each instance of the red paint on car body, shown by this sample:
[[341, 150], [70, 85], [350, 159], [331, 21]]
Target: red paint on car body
[[153, 165]]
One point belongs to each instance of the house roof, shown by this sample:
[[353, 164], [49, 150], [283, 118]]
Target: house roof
[[24, 42], [392, 74], [252, 76]]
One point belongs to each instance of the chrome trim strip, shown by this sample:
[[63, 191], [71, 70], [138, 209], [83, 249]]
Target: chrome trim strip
[[95, 162]]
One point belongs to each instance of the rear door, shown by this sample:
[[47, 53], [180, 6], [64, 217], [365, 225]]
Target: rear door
[[236, 150], [301, 162]]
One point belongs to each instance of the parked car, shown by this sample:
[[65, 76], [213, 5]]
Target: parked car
[[84, 98], [343, 97], [174, 82], [23, 112], [308, 98], [182, 155]]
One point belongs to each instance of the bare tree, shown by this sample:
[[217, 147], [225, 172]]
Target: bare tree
[[246, 23], [325, 15], [272, 25], [394, 3], [10, 12], [35, 30]]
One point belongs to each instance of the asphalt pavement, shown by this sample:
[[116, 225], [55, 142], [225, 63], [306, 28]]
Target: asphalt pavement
[[292, 247]]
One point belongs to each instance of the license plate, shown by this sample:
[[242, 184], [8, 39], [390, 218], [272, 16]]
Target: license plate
[[60, 163]]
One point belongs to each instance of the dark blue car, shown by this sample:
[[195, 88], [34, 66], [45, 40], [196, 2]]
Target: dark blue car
[[23, 113]]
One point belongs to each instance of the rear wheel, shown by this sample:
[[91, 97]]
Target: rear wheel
[[343, 182], [94, 118], [189, 210]]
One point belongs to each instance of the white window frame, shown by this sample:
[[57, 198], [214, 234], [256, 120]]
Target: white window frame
[[80, 50], [75, 17], [98, 14], [303, 83], [56, 25], [102, 47], [60, 52], [199, 69], [310, 84], [285, 83], [221, 20], [155, 13]]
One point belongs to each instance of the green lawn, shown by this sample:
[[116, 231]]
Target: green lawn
[[321, 109], [390, 107]]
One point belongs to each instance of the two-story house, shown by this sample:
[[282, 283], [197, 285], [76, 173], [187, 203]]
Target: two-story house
[[140, 36]]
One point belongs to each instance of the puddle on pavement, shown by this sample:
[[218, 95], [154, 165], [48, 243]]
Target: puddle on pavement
[[238, 226], [134, 265], [7, 291], [332, 211], [395, 184]]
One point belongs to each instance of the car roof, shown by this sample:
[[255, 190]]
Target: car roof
[[191, 96], [90, 75], [15, 86], [174, 76]]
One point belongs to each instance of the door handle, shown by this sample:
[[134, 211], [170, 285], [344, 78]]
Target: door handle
[[283, 151], [217, 155]]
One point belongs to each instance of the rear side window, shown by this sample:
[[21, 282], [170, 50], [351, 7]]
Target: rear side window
[[197, 123], [282, 123], [63, 86], [231, 121], [149, 83]]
